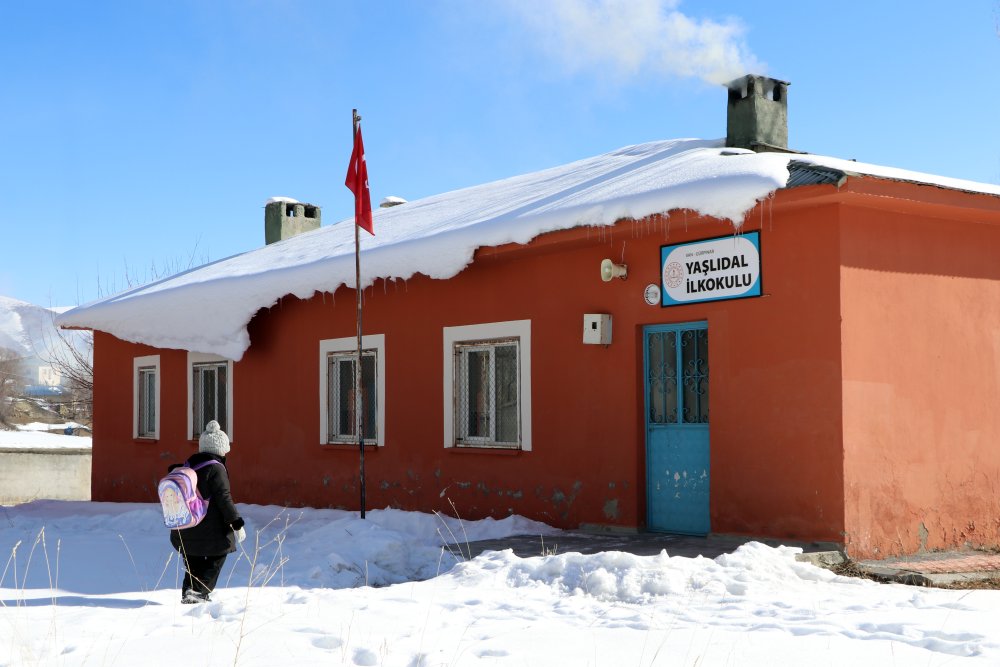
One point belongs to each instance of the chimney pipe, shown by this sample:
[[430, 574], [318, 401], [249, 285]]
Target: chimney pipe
[[285, 217], [757, 114]]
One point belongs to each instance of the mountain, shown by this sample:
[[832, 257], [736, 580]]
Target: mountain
[[28, 331]]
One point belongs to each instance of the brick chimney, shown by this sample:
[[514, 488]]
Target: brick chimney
[[757, 114], [285, 218]]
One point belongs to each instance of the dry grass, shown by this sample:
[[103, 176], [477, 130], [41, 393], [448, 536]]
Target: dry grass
[[992, 583], [852, 569]]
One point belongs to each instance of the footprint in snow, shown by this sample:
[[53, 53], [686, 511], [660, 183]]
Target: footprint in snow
[[364, 657], [327, 642], [491, 653]]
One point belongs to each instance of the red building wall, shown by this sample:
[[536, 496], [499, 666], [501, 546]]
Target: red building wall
[[921, 353], [775, 397]]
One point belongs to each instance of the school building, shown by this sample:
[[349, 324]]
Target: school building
[[682, 336]]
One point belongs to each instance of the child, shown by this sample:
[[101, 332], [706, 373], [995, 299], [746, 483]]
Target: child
[[204, 547]]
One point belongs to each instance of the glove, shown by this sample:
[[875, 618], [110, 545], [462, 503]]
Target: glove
[[241, 534]]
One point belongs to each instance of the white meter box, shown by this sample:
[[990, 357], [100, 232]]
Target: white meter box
[[597, 329]]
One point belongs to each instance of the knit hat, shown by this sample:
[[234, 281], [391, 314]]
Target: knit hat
[[213, 440]]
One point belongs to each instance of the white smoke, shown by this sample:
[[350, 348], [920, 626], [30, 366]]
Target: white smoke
[[635, 37]]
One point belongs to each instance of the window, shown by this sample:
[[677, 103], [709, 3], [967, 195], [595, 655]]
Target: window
[[210, 391], [677, 375], [146, 390], [488, 385], [338, 360]]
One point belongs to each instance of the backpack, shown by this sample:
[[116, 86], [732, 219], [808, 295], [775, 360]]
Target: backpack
[[182, 504]]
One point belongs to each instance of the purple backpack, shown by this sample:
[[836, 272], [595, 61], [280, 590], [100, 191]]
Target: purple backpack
[[183, 506]]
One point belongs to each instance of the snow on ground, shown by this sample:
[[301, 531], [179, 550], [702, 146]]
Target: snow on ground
[[97, 584], [35, 438], [41, 426]]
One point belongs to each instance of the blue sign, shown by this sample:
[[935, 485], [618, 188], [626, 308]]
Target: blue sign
[[710, 270]]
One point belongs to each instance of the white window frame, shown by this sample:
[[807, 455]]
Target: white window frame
[[373, 342], [520, 329], [151, 361], [193, 359]]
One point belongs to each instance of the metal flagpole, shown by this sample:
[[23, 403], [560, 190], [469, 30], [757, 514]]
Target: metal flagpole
[[358, 403]]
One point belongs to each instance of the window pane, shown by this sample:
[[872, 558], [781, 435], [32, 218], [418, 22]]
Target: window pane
[[662, 355], [211, 397], [332, 398], [222, 402], [506, 394], [209, 381], [477, 393], [340, 399], [150, 403], [345, 375], [198, 416], [368, 395], [694, 358], [141, 403], [487, 393], [146, 402]]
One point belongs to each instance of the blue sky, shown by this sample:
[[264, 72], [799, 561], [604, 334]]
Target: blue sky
[[137, 137]]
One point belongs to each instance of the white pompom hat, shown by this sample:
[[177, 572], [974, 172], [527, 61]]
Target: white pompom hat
[[213, 440]]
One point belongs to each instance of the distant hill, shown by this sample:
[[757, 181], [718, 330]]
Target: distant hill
[[23, 326], [29, 332]]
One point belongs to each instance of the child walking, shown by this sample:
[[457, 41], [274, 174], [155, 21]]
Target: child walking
[[204, 547]]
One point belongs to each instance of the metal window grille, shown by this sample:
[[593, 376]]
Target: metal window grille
[[146, 400], [694, 375], [487, 383], [210, 396], [678, 377], [662, 355], [341, 417]]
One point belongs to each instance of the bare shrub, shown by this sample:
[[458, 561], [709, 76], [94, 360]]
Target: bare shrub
[[72, 357]]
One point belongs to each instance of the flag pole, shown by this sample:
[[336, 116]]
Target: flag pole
[[358, 403]]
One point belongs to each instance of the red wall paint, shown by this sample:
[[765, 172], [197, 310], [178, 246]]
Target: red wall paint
[[921, 350], [125, 469], [775, 394]]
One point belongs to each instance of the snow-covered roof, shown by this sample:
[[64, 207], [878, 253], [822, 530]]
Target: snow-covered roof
[[437, 236]]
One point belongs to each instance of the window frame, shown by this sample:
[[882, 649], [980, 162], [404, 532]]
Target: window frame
[[472, 336], [141, 364], [198, 359], [343, 347]]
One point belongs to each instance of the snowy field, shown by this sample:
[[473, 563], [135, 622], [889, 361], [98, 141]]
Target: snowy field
[[97, 584], [33, 436]]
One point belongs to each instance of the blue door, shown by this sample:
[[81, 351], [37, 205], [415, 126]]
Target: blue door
[[677, 465]]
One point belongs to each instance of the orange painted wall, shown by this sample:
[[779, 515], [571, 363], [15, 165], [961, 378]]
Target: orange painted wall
[[124, 469], [775, 397], [921, 354]]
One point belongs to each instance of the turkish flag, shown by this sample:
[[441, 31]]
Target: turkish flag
[[357, 182]]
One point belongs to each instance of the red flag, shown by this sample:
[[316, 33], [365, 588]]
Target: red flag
[[357, 182]]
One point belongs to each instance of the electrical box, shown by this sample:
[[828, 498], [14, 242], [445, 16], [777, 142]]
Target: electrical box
[[596, 329]]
